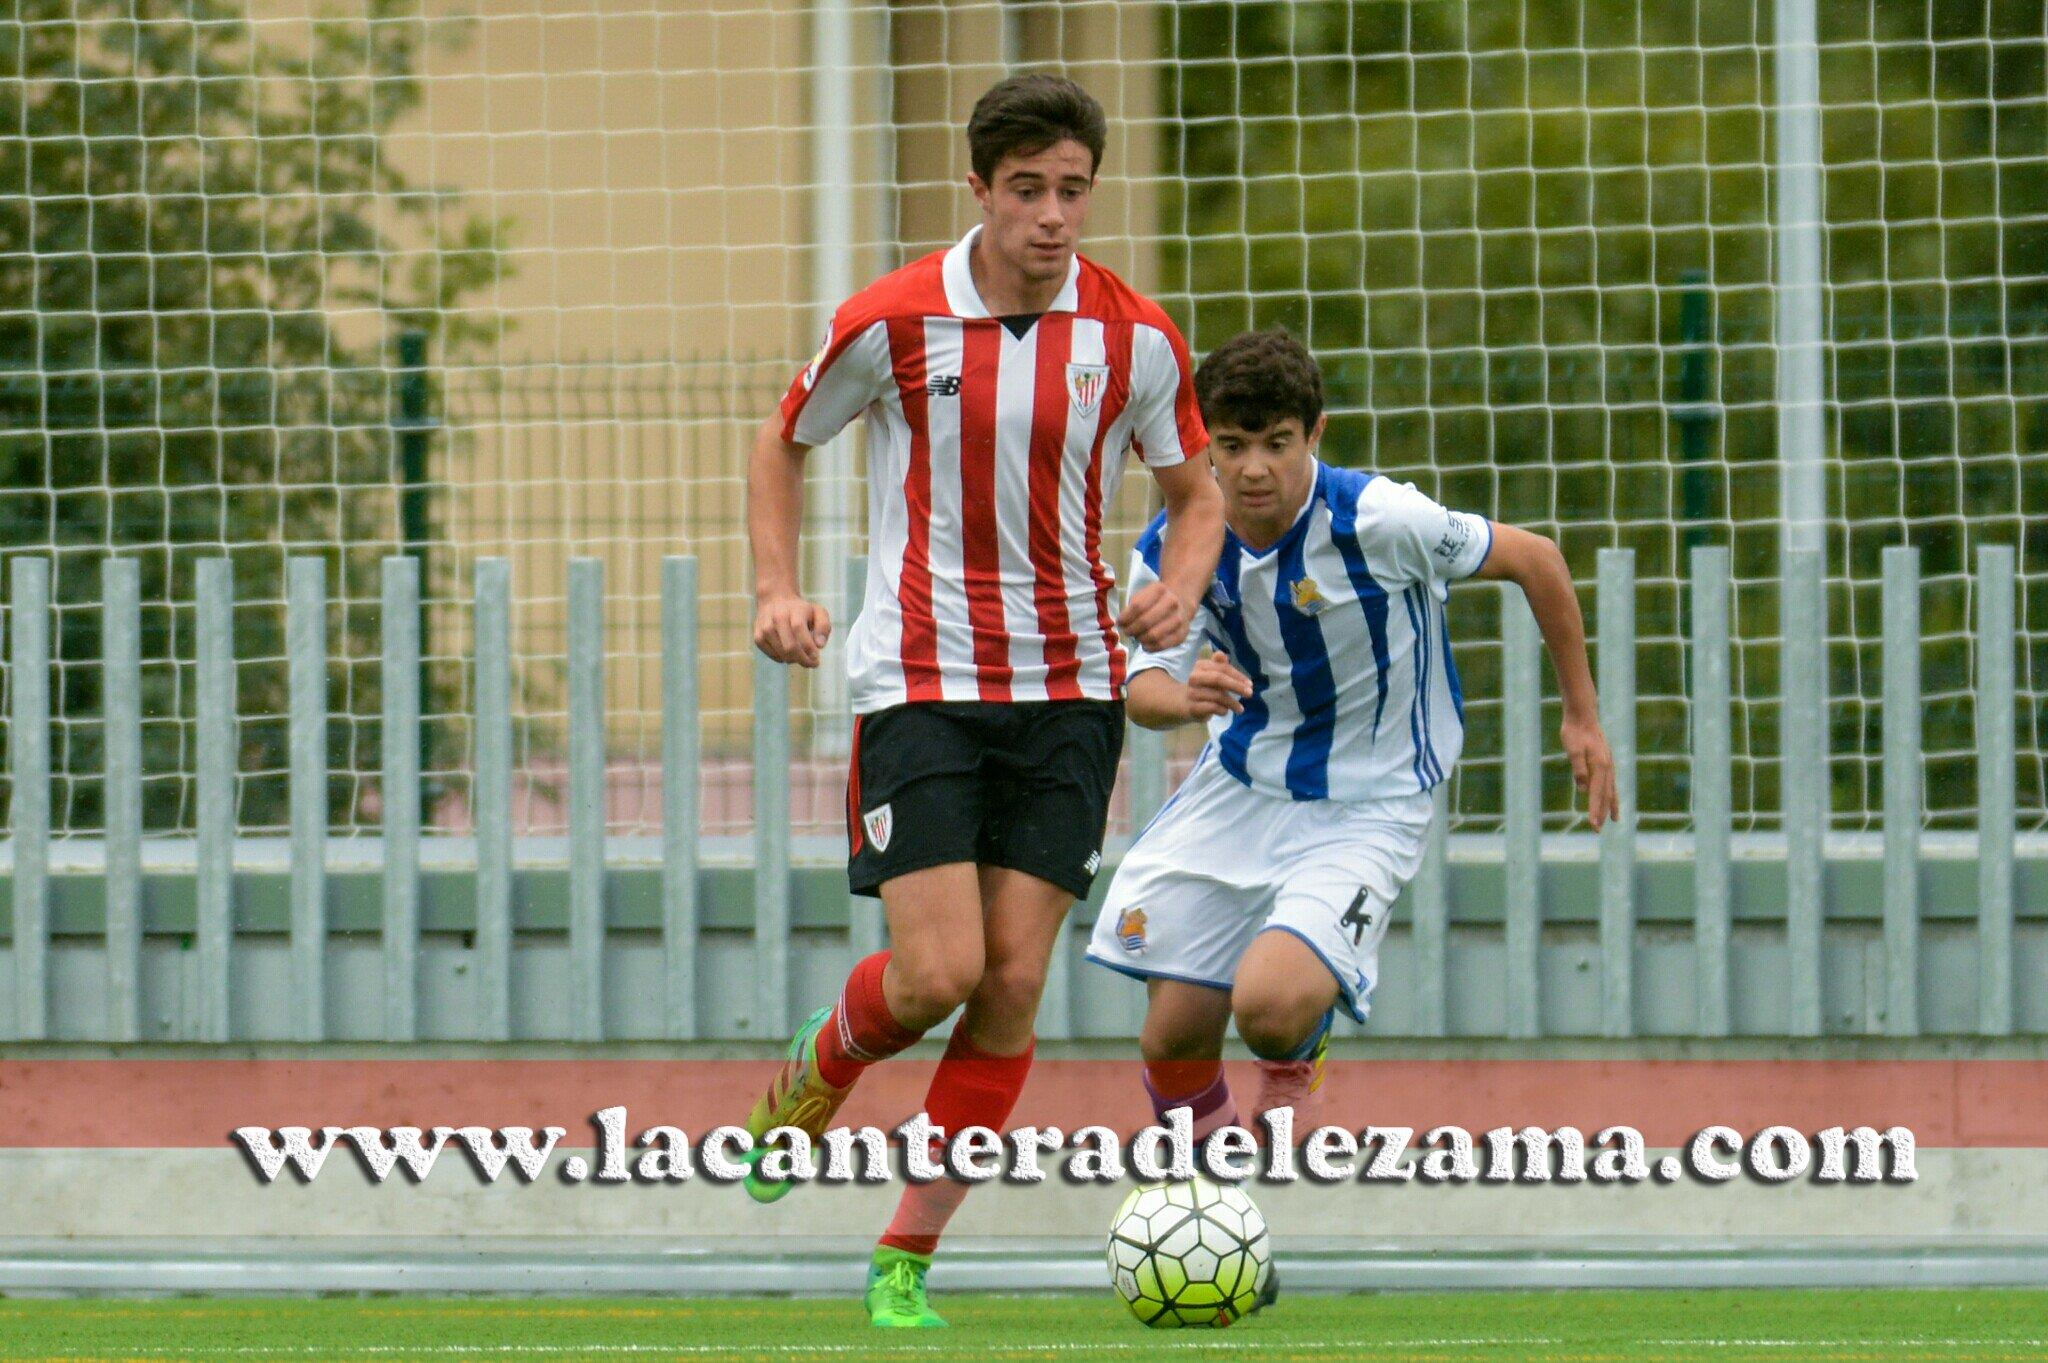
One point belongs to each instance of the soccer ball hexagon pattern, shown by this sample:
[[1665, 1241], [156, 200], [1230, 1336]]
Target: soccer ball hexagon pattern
[[1188, 1254]]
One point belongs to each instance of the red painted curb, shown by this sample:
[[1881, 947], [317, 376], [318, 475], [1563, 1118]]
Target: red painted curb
[[195, 1104]]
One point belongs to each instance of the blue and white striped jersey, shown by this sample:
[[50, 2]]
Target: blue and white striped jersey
[[1340, 627]]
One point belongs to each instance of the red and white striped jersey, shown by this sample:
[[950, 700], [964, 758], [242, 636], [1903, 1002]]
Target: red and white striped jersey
[[990, 459]]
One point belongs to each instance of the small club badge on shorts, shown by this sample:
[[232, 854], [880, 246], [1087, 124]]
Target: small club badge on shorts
[[880, 822], [1130, 931]]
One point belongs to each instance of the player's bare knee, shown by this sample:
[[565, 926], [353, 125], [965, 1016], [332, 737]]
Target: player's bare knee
[[935, 984]]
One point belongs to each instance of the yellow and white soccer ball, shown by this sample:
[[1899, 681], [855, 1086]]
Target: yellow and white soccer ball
[[1188, 1254]]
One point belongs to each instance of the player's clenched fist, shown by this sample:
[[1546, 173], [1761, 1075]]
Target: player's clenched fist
[[1215, 687], [1155, 617], [790, 629]]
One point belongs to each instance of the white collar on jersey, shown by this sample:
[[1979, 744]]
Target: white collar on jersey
[[965, 300]]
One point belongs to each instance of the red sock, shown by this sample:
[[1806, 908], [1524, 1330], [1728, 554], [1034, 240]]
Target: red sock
[[970, 1088], [861, 1029], [1198, 1086]]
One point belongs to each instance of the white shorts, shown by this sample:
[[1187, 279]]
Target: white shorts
[[1221, 863]]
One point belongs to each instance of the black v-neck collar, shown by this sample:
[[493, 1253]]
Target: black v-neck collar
[[1017, 323]]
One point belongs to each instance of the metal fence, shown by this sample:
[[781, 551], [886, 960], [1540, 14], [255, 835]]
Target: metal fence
[[686, 936]]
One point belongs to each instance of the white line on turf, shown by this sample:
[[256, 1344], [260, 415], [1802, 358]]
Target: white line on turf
[[1347, 1348]]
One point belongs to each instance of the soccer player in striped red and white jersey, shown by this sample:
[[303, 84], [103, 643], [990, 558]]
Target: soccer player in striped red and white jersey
[[1004, 383]]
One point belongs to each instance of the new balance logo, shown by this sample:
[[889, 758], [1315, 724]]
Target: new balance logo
[[1093, 864], [944, 386]]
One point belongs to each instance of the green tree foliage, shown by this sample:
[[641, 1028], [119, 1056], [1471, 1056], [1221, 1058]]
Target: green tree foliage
[[204, 256], [1486, 217]]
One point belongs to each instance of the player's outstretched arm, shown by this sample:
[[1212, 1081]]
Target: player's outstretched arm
[[1158, 613], [787, 628], [1536, 565], [1154, 700]]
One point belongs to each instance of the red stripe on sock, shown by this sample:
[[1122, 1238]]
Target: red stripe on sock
[[1177, 1080], [861, 1029]]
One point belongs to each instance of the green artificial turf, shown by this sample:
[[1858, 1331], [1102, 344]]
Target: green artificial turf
[[1563, 1327]]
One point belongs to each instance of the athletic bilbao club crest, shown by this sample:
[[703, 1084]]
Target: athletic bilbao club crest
[[880, 822], [1087, 382], [1130, 931]]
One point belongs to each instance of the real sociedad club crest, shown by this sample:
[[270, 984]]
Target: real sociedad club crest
[[1130, 931], [1087, 382], [880, 822], [1308, 597]]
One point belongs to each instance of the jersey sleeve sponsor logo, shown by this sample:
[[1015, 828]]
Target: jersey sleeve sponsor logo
[[1087, 383], [817, 360], [1456, 535], [880, 822], [943, 386], [1130, 931]]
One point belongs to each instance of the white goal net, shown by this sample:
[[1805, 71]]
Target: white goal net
[[480, 278]]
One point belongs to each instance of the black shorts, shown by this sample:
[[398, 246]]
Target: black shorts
[[1024, 786]]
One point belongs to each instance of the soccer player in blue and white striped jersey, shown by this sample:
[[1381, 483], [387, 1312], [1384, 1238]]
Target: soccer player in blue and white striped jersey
[[1321, 662]]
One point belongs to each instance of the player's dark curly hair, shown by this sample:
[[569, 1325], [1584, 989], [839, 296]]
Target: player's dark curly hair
[[1258, 379], [1024, 115]]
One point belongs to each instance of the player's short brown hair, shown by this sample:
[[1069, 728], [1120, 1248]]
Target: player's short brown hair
[[1024, 115], [1258, 379]]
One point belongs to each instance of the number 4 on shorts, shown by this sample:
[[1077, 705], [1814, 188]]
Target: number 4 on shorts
[[1358, 918]]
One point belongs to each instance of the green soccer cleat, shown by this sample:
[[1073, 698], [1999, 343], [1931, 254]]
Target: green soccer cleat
[[895, 1297], [797, 1098]]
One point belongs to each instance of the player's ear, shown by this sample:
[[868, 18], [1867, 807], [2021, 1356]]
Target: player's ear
[[1315, 437], [980, 188]]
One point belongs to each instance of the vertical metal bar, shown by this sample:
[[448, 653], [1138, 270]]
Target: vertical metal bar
[[586, 799], [679, 789], [1148, 774], [771, 845], [833, 523], [400, 681], [1522, 822], [1996, 564], [1803, 748], [1796, 257], [1056, 1003], [1432, 896], [216, 767], [306, 647], [121, 714], [1712, 788], [1616, 608], [1902, 789], [492, 797], [29, 760], [867, 929]]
